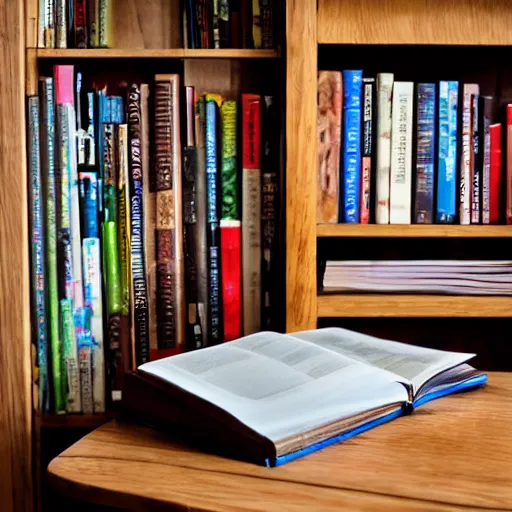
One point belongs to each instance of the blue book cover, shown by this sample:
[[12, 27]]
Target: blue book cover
[[351, 178], [447, 153], [89, 203], [425, 153]]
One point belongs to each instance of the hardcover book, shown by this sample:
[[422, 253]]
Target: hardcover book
[[270, 398]]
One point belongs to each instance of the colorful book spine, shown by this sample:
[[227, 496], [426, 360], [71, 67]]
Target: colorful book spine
[[425, 153], [330, 99], [352, 114], [401, 154], [476, 173], [50, 193], [215, 334], [270, 213], [487, 120], [61, 25], [383, 165], [367, 159], [447, 152], [139, 284], [70, 355], [230, 226], [509, 164], [46, 37], [106, 22], [86, 345], [495, 164], [93, 17], [80, 22], [38, 256], [467, 158], [251, 213]]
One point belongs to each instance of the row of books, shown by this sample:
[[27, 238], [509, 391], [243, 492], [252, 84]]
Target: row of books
[[142, 245], [229, 24], [447, 277], [75, 23], [395, 152]]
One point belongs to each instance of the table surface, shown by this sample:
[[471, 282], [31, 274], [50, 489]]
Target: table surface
[[450, 454]]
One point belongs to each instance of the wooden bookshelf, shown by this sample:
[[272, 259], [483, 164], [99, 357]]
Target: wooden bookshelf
[[348, 305], [413, 231], [85, 421], [147, 53]]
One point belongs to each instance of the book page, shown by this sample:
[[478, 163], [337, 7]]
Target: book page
[[278, 385], [417, 364]]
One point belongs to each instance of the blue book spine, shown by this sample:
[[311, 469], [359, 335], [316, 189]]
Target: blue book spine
[[89, 200], [211, 160], [425, 157], [352, 87], [447, 154], [117, 113]]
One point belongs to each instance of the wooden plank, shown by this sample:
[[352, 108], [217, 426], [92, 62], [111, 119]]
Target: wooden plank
[[144, 53], [412, 306], [301, 164], [413, 231], [89, 421], [31, 23], [15, 342], [433, 450], [440, 22]]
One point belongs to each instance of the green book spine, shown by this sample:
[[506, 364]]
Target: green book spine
[[111, 265], [229, 182], [70, 379]]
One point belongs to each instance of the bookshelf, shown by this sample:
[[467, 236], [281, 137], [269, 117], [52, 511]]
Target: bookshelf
[[369, 34]]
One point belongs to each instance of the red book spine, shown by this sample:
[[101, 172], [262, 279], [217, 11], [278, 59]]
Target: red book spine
[[231, 256], [80, 17], [64, 76], [251, 104], [495, 130], [509, 163]]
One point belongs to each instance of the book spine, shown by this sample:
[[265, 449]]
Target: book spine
[[352, 89], [85, 358], [223, 21], [486, 167], [425, 148], [215, 23], [466, 161], [367, 129], [447, 153], [509, 164], [70, 356], [46, 36], [269, 213], [495, 165], [106, 23], [213, 217], [251, 213], [80, 28], [383, 167], [50, 192], [330, 98], [476, 167], [267, 24], [401, 154], [38, 260], [61, 30], [93, 17], [138, 270], [169, 217], [201, 218]]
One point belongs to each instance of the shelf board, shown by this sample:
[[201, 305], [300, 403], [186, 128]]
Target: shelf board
[[412, 306], [414, 230], [75, 420], [172, 53]]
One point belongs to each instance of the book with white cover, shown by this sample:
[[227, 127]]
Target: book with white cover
[[270, 398], [400, 192]]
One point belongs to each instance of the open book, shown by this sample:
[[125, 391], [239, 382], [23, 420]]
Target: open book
[[270, 398]]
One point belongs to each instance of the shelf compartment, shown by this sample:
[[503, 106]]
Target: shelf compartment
[[173, 53], [413, 231], [411, 306], [437, 22], [89, 421]]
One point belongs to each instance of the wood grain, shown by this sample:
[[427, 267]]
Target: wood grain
[[441, 22], [31, 23], [412, 306], [15, 344], [413, 231], [301, 164], [450, 454], [154, 24]]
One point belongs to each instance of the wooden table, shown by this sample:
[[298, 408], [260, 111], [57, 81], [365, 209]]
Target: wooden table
[[451, 454]]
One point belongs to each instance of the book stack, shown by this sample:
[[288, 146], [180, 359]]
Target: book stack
[[142, 242], [399, 152]]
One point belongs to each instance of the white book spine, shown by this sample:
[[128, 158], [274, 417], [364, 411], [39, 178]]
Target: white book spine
[[384, 112], [251, 249], [466, 160], [401, 154]]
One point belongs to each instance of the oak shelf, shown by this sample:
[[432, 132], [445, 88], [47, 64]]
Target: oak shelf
[[345, 305], [414, 230], [75, 420], [172, 53]]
